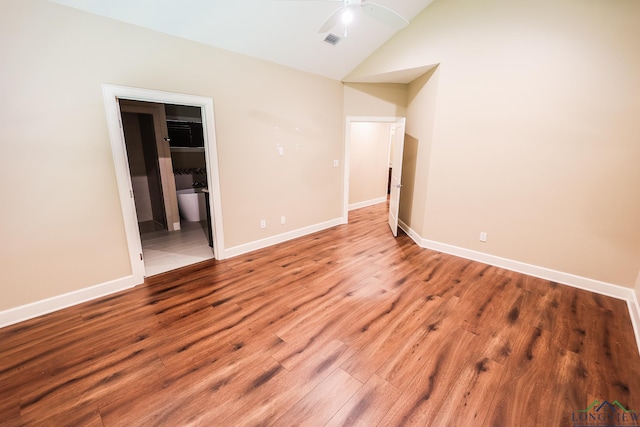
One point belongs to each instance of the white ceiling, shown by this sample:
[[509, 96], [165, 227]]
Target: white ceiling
[[280, 31]]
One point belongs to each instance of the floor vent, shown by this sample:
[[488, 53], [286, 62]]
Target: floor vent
[[332, 39]]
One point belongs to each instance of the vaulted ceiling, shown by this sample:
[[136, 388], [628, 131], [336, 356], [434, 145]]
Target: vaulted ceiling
[[280, 31]]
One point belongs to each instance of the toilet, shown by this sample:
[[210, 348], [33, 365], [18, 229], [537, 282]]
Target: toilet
[[192, 204]]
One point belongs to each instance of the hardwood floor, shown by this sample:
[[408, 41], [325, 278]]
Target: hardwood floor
[[348, 326]]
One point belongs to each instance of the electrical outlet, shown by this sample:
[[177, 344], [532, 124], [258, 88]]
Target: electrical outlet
[[263, 223], [336, 163], [483, 236], [283, 219]]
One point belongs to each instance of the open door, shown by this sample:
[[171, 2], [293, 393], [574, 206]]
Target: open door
[[397, 133]]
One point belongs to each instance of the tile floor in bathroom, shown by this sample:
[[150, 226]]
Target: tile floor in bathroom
[[167, 250]]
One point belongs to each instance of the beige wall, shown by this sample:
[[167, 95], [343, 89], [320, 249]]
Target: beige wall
[[375, 99], [62, 227], [421, 106], [368, 161], [535, 136]]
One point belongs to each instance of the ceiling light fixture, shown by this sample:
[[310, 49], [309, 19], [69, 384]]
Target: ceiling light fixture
[[347, 16]]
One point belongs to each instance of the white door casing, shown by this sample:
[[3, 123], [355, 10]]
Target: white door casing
[[111, 95]]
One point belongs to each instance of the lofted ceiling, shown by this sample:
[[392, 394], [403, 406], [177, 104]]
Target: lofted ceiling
[[280, 31]]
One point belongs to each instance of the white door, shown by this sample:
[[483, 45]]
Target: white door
[[396, 174]]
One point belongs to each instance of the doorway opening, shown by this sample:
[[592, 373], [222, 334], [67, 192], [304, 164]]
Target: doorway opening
[[165, 151], [373, 164], [153, 175]]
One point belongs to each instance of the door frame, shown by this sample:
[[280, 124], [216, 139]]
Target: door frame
[[112, 94], [347, 151]]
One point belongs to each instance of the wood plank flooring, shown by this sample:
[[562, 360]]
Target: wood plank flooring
[[348, 326]]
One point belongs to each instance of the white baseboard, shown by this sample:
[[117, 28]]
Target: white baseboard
[[368, 203], [39, 308], [634, 312], [603, 288], [58, 302], [273, 240]]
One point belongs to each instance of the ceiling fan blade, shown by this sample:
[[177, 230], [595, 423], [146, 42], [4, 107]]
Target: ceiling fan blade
[[331, 21], [385, 15]]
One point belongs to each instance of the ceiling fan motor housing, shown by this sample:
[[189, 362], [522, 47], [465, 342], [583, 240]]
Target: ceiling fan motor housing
[[379, 12]]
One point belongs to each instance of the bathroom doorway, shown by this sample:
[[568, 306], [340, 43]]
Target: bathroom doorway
[[167, 165], [162, 193]]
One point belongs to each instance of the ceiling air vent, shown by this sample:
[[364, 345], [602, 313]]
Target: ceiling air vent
[[332, 39]]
